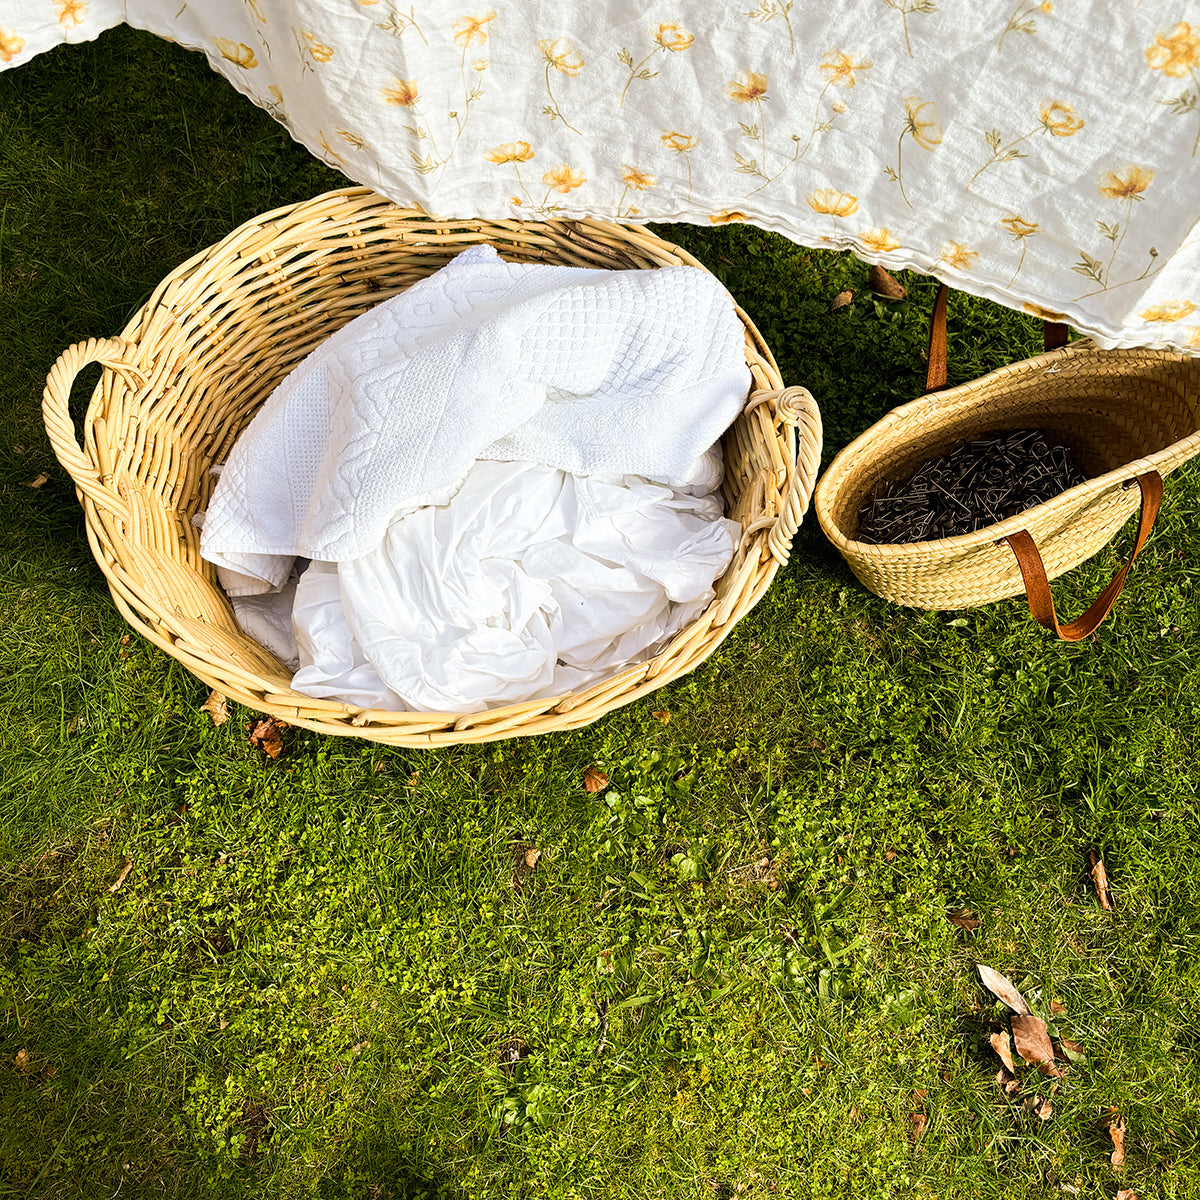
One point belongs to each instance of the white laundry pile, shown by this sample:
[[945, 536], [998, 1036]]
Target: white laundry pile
[[504, 479]]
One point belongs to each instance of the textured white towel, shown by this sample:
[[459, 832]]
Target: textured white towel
[[592, 372]]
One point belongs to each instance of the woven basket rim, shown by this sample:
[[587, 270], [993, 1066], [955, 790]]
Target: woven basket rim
[[959, 398]]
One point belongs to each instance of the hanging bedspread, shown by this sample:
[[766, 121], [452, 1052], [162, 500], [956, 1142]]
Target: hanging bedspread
[[1043, 154]]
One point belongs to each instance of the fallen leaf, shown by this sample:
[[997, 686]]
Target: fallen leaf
[[1125, 1194], [1073, 1050], [1057, 1007], [19, 448], [1003, 1047], [267, 734], [22, 1063], [124, 875], [663, 716], [1116, 1131], [1040, 1107], [1100, 879], [1002, 988], [884, 285], [1008, 1081], [841, 300], [963, 919], [39, 481], [594, 780], [531, 857], [1033, 1043], [889, 855], [215, 707], [1070, 1189], [918, 1121]]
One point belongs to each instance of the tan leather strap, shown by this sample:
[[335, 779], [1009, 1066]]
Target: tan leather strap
[[1037, 586], [935, 374], [1054, 335]]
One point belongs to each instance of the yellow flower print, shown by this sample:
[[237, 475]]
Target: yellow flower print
[[958, 256], [1129, 185], [512, 152], [681, 143], [668, 38], [403, 92], [563, 179], [904, 8], [840, 106], [1021, 230], [329, 150], [1175, 53], [673, 37], [71, 12], [353, 138], [747, 87], [839, 68], [1194, 336], [921, 124], [509, 152], [258, 12], [1054, 117], [830, 200], [1059, 119], [1045, 314], [237, 53], [470, 30], [724, 218], [560, 55], [1173, 310], [637, 179], [320, 53], [11, 44], [1023, 19], [1047, 6], [879, 240], [480, 65]]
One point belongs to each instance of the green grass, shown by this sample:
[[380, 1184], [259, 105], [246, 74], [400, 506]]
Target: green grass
[[729, 974]]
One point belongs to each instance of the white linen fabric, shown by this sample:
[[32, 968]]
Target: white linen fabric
[[503, 477], [1043, 154]]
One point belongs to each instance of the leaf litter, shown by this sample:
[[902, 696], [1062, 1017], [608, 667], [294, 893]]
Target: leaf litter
[[267, 734], [215, 707], [1100, 879]]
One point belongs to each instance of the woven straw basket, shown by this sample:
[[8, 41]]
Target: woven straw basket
[[1129, 416], [198, 359]]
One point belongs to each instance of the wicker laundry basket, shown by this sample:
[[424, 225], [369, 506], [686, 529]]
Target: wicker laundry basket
[[1129, 416], [194, 364]]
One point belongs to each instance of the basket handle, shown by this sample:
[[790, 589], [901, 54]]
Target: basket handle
[[795, 407], [1037, 587], [1054, 335], [113, 354]]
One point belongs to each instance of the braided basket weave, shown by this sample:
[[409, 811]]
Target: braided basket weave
[[1124, 414], [194, 364]]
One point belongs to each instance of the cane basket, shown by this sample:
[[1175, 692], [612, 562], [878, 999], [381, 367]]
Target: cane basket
[[188, 372], [1128, 416]]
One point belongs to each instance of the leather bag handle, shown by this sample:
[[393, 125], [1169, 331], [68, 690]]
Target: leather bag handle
[[1037, 586], [1053, 336]]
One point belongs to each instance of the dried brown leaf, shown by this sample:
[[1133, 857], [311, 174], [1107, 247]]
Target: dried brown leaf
[[22, 1062], [124, 875], [267, 734], [1008, 1081], [1057, 1008], [1003, 1047], [841, 300], [1002, 989], [884, 285], [1100, 879], [962, 918], [1116, 1131], [531, 857], [663, 716], [594, 780], [1033, 1043], [918, 1121], [215, 707], [1073, 1050], [40, 481], [1125, 1194], [1040, 1107]]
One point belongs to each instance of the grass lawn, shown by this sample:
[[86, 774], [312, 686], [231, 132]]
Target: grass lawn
[[732, 972]]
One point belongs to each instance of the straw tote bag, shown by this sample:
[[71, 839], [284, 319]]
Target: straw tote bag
[[1130, 417]]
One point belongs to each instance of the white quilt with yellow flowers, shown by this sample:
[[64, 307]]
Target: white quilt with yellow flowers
[[1045, 154]]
